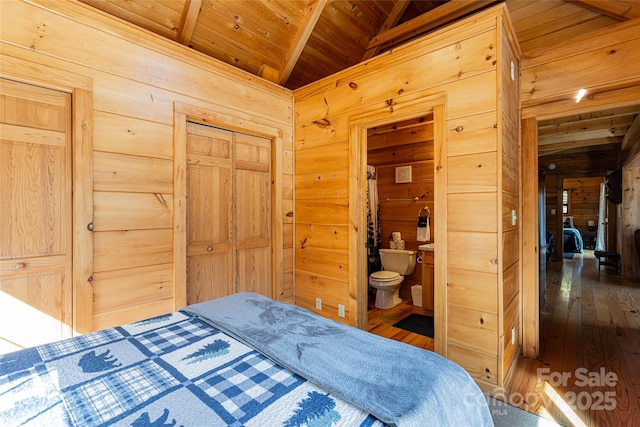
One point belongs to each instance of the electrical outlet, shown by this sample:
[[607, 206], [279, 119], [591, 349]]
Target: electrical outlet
[[318, 303], [341, 310], [513, 335]]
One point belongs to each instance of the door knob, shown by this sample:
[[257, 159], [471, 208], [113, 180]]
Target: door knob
[[20, 266]]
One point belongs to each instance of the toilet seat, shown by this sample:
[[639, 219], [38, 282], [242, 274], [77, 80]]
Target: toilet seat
[[384, 276]]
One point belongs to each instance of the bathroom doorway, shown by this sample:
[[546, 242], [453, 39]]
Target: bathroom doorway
[[406, 145], [399, 189]]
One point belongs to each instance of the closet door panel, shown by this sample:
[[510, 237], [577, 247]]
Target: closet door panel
[[209, 213], [208, 276], [252, 214], [35, 215], [210, 210], [254, 270], [32, 308], [32, 198]]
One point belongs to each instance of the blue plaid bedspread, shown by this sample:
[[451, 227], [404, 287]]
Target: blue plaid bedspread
[[172, 370]]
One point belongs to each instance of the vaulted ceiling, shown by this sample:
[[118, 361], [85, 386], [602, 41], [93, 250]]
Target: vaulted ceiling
[[297, 42]]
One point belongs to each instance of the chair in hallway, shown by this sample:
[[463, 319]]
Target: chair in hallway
[[609, 258]]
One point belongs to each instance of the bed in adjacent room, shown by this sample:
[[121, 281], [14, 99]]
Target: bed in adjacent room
[[572, 240], [240, 360], [571, 237]]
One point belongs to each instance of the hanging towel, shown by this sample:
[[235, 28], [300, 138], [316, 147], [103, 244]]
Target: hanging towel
[[374, 242], [424, 233]]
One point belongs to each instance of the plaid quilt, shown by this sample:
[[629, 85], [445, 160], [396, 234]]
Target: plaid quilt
[[172, 370]]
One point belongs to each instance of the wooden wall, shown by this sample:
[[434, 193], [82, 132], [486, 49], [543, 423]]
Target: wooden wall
[[476, 180], [584, 200], [403, 144], [136, 78], [630, 219]]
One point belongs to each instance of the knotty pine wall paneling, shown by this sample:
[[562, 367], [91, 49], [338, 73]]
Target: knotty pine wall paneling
[[630, 218], [585, 200], [477, 161], [509, 188], [136, 77]]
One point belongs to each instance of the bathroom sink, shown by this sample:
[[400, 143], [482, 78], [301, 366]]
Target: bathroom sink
[[426, 247]]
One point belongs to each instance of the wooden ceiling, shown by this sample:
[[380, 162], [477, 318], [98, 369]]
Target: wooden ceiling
[[297, 42], [615, 129]]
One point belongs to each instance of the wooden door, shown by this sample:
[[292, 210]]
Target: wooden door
[[35, 215], [252, 214], [228, 213], [209, 212]]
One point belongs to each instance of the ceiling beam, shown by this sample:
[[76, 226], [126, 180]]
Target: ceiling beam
[[570, 131], [399, 7], [633, 134], [269, 73], [577, 144], [188, 21], [585, 118], [603, 150], [430, 20], [620, 10], [587, 135], [313, 11]]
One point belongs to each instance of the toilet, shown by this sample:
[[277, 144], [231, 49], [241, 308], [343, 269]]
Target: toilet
[[396, 264]]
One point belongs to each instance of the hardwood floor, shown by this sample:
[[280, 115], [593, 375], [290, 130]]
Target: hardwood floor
[[588, 371], [380, 322], [590, 334]]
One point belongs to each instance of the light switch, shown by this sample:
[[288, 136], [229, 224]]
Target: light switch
[[514, 218]]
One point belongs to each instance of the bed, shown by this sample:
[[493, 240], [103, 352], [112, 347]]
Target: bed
[[571, 237], [572, 240], [241, 360]]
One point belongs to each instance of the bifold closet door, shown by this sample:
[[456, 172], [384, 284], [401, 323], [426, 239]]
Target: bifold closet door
[[252, 214], [228, 213], [209, 212], [35, 215]]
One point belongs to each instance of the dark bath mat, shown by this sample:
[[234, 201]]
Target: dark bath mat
[[417, 323]]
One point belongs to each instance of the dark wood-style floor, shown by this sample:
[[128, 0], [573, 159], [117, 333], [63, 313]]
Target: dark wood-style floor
[[588, 371]]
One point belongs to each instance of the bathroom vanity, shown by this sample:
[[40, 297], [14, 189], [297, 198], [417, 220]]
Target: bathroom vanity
[[427, 251]]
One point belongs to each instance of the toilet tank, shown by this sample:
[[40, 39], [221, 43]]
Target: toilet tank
[[400, 261]]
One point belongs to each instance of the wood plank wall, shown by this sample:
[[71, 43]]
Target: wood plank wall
[[630, 219], [136, 77], [584, 196], [509, 331], [411, 144], [481, 167]]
